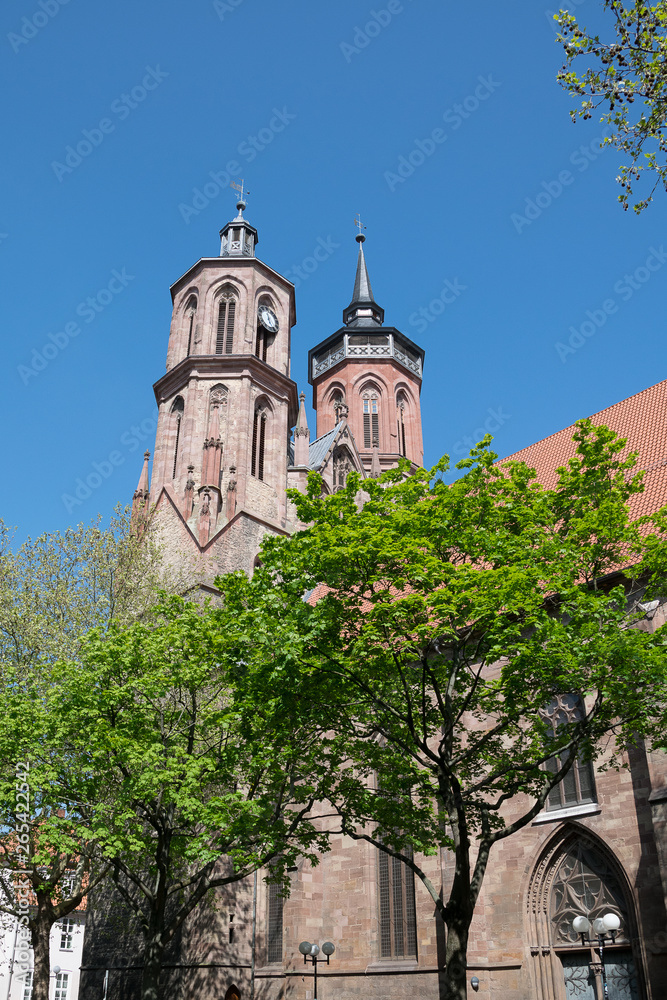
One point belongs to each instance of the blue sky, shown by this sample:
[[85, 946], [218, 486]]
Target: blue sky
[[318, 105]]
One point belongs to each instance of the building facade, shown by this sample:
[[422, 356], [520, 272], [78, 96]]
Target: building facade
[[224, 457]]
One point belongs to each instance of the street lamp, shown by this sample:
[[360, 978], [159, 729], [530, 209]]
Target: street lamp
[[603, 927], [310, 953]]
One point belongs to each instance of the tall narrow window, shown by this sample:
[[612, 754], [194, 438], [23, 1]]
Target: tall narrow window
[[398, 919], [229, 340], [177, 417], [224, 334], [275, 904], [67, 926], [190, 316], [400, 409], [258, 444], [371, 422], [27, 986], [578, 785], [62, 982]]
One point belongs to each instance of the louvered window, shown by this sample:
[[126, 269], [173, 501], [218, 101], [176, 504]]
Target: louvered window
[[258, 444], [371, 423], [398, 919], [401, 426], [224, 337], [275, 923], [27, 986]]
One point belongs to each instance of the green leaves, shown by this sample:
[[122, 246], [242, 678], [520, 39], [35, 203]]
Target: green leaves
[[626, 79]]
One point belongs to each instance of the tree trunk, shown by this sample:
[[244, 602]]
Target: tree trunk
[[150, 978], [40, 932], [453, 983]]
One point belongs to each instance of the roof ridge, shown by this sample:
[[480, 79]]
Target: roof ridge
[[589, 417]]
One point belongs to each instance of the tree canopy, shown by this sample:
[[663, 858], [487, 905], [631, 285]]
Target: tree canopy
[[444, 627], [624, 75]]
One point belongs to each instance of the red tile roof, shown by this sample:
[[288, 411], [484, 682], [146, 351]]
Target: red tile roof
[[641, 419]]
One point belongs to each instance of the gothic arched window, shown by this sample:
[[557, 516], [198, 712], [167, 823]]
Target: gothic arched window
[[578, 785], [259, 423], [190, 319], [338, 404], [275, 905], [396, 906], [176, 415], [371, 408], [224, 338], [401, 408]]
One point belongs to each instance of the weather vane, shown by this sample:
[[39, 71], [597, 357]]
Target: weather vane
[[239, 188], [358, 224]]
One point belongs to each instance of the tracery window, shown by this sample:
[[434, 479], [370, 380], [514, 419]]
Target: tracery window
[[341, 468], [371, 419], [585, 885], [578, 785], [396, 905], [224, 340]]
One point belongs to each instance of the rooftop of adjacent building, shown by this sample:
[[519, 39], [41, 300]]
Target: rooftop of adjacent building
[[640, 419]]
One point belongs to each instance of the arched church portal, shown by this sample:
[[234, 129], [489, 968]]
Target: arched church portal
[[577, 875]]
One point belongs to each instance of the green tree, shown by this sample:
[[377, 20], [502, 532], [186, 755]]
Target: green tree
[[444, 624], [53, 590], [625, 75], [193, 785]]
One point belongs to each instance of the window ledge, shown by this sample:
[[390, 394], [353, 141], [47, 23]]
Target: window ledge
[[393, 965], [555, 815]]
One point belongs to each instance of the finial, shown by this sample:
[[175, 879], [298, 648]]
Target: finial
[[241, 203], [360, 238]]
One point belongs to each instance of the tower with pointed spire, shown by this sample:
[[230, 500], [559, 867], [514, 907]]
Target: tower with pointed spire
[[371, 375]]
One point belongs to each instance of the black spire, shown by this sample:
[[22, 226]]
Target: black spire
[[363, 310]]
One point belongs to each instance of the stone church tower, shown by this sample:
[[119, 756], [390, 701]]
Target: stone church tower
[[224, 454]]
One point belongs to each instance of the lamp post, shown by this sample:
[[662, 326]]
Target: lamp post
[[310, 953], [603, 927]]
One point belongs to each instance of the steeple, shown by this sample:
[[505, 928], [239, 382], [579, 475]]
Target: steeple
[[238, 238], [363, 310], [301, 434]]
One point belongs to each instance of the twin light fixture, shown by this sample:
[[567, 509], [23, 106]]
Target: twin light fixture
[[602, 926], [310, 953]]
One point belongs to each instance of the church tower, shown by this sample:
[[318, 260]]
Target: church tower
[[226, 407], [370, 375]]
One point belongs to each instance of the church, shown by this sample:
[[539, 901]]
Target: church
[[232, 436]]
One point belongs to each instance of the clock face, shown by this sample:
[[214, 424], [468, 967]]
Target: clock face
[[268, 319]]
